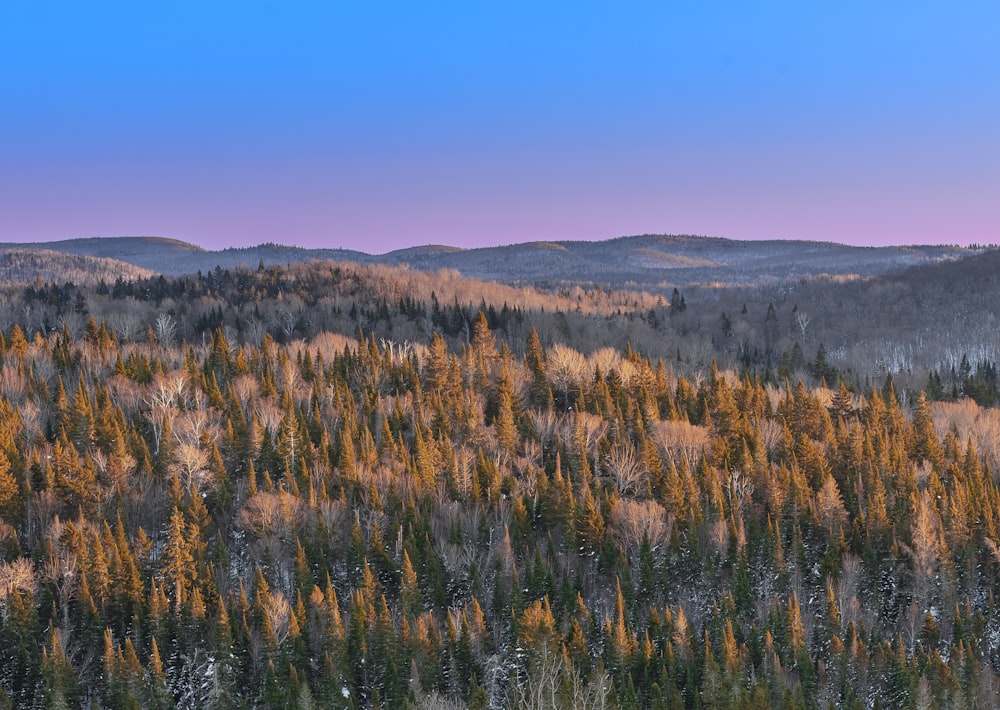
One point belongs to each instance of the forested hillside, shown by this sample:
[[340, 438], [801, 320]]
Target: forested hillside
[[24, 266], [648, 260], [347, 487]]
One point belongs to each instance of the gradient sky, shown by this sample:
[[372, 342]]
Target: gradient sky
[[380, 124]]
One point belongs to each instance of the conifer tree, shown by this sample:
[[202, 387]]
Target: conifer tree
[[9, 493], [179, 571]]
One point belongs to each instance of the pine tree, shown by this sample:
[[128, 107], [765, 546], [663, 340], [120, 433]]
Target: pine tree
[[179, 570], [534, 360], [483, 347], [536, 628], [59, 686], [506, 427], [81, 417], [410, 590], [19, 656], [9, 491], [925, 443]]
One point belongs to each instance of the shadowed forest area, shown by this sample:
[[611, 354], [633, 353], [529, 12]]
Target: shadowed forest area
[[329, 485]]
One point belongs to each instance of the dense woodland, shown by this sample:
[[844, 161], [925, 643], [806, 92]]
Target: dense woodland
[[345, 487], [22, 266]]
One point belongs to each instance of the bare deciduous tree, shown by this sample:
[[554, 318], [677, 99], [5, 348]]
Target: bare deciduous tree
[[196, 425], [553, 682], [160, 416], [626, 471], [17, 575], [565, 368], [254, 332], [848, 586], [126, 326], [168, 390], [631, 521], [802, 323], [61, 570], [165, 328], [270, 415], [246, 388], [590, 427], [680, 441], [278, 612], [739, 488], [629, 373], [546, 423], [605, 361], [436, 701], [31, 425], [12, 382], [280, 514], [191, 466], [127, 393]]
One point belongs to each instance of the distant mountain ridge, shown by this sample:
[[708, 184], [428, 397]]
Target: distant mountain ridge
[[637, 261]]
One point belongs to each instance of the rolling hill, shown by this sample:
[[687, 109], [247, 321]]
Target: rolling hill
[[646, 261], [19, 266]]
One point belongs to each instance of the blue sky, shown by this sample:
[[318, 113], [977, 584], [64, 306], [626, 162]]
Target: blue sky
[[378, 125]]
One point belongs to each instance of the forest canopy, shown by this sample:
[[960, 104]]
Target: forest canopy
[[352, 487]]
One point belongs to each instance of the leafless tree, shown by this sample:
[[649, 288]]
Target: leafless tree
[[553, 682], [125, 325], [802, 322], [165, 328], [629, 373], [565, 368], [191, 466], [115, 470], [590, 426], [546, 423], [397, 352], [125, 392], [70, 322], [168, 390], [436, 701], [771, 432], [465, 462], [631, 521], [739, 488], [332, 513], [17, 575], [12, 382], [987, 686], [270, 415], [254, 332], [605, 361], [280, 514], [278, 612], [30, 415], [289, 373], [330, 346], [246, 389], [158, 417], [847, 588], [626, 471], [61, 570], [196, 425], [679, 441]]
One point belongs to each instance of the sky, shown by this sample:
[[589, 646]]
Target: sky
[[378, 125]]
